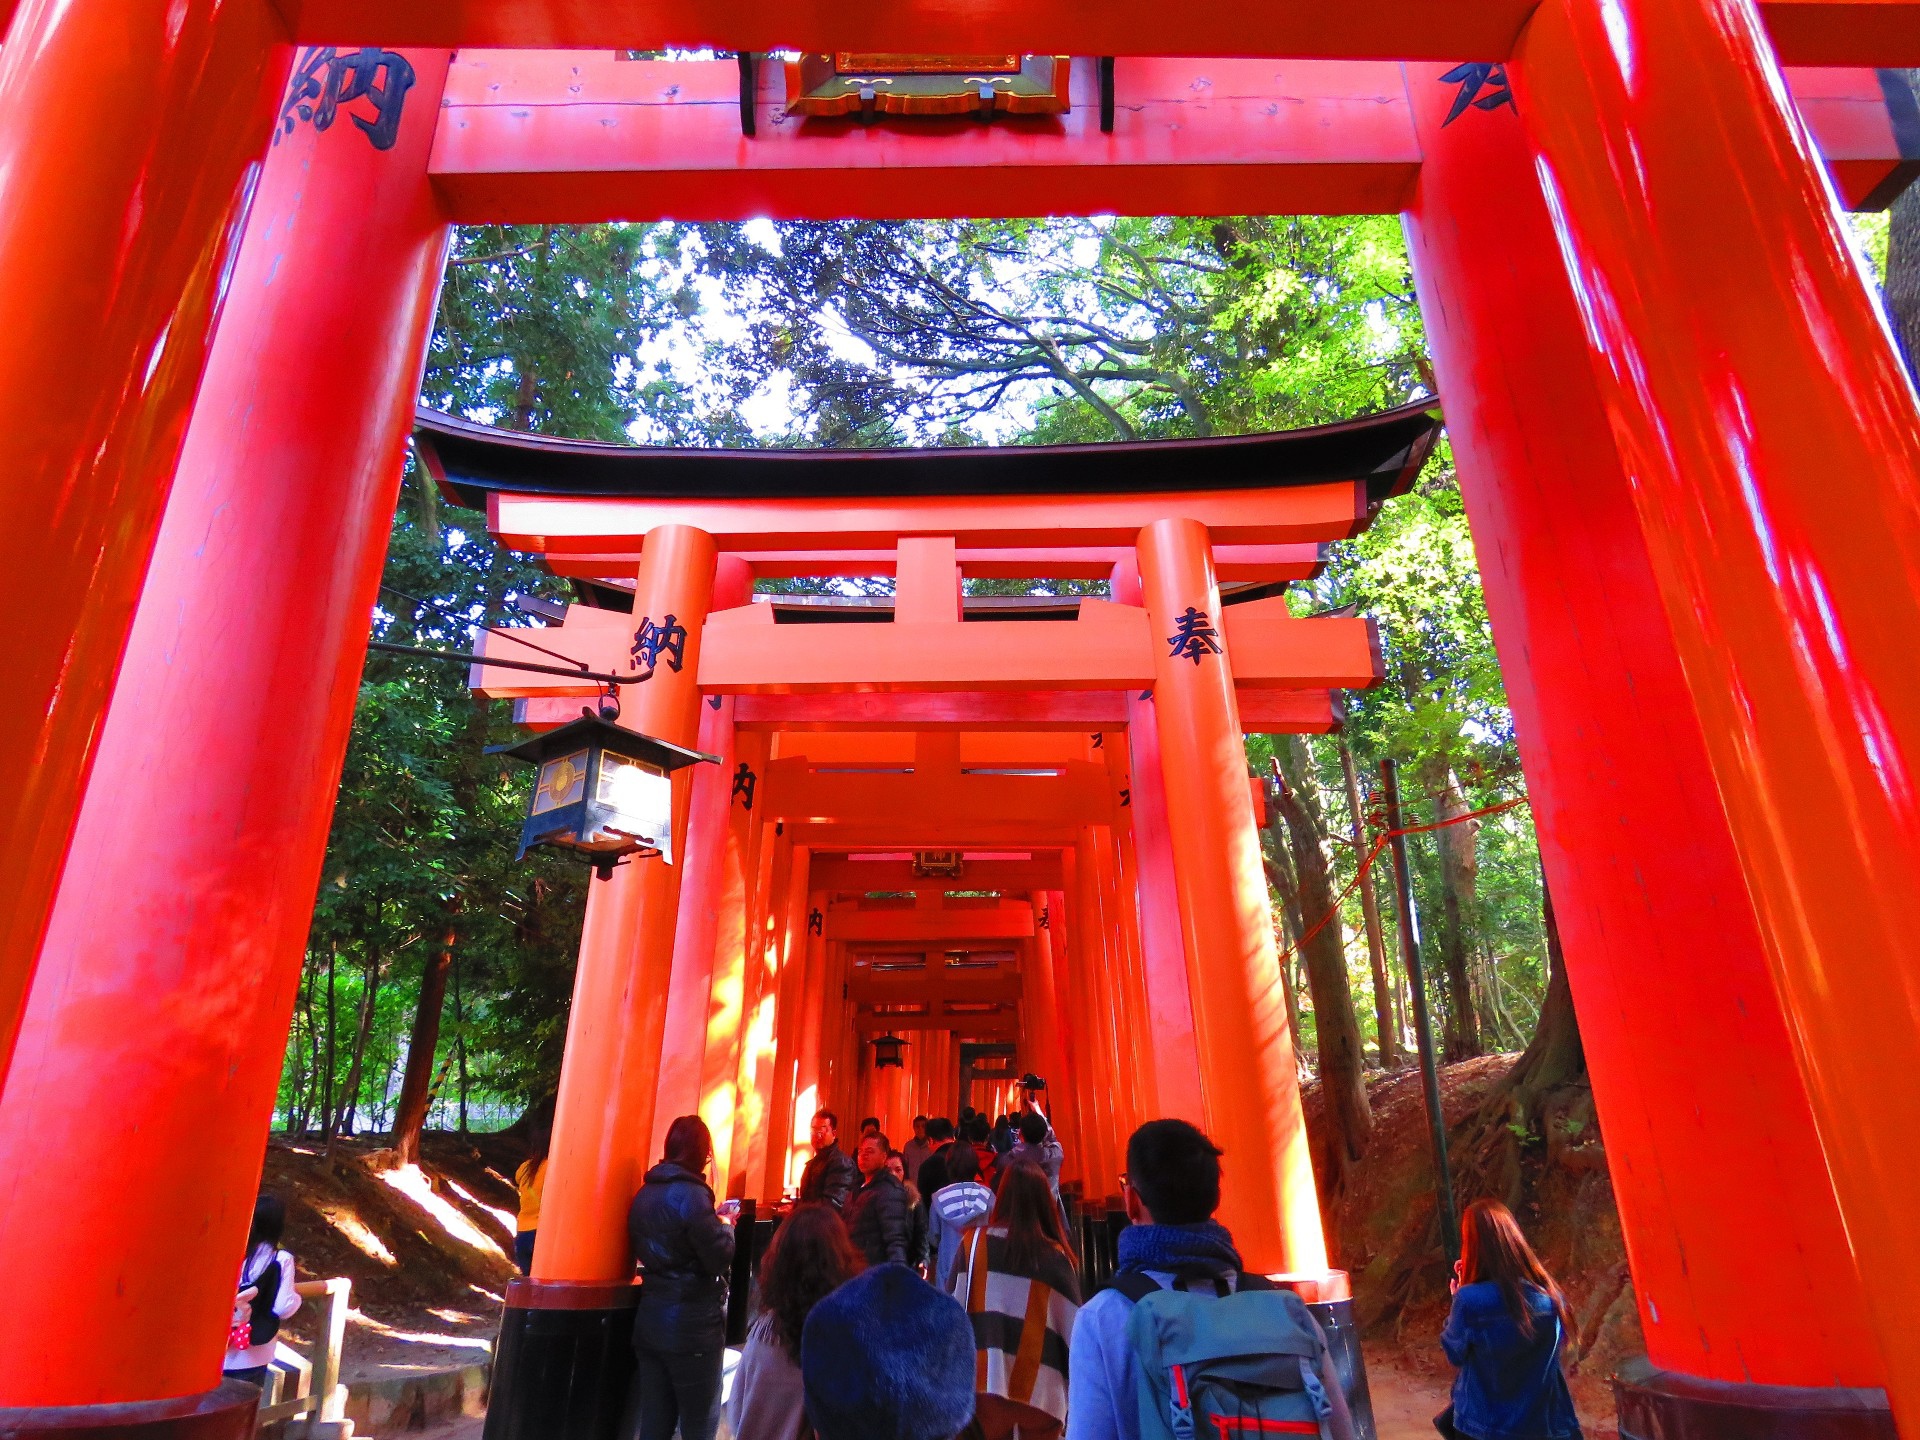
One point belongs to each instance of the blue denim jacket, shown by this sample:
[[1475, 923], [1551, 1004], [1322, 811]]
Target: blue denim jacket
[[1509, 1387]]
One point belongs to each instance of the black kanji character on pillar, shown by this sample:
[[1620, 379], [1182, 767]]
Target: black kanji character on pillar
[[1045, 921], [1472, 79], [743, 782], [325, 80], [1194, 636], [668, 638], [816, 923]]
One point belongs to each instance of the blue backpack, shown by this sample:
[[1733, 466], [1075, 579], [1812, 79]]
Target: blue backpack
[[1229, 1364]]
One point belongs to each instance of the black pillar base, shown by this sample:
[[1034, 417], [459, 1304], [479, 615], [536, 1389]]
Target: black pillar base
[[1666, 1405], [1330, 1298], [564, 1361], [222, 1414]]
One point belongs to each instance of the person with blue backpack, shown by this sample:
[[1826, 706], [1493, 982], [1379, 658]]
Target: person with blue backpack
[[1184, 1344], [1505, 1336]]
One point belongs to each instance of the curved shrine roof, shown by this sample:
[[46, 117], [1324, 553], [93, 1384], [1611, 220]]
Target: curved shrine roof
[[469, 461]]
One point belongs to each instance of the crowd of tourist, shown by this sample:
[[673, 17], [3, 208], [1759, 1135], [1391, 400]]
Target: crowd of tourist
[[934, 1293]]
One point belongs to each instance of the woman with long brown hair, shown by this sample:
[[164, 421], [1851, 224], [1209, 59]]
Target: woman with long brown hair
[[810, 1257], [1016, 1277], [1505, 1336]]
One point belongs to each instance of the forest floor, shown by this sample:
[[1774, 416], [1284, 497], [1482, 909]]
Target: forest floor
[[1384, 1232], [429, 1249]]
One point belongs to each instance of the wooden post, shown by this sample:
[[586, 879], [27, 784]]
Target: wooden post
[[1250, 1078], [173, 955], [1710, 1136], [131, 133]]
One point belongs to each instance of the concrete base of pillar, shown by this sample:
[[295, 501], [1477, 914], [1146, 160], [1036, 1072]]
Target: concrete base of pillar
[[564, 1361], [1666, 1405], [225, 1413]]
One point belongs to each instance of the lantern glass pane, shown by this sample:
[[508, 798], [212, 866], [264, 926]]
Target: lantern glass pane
[[562, 781], [640, 796]]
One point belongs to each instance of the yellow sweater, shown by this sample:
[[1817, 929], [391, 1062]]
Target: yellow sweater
[[531, 1177]]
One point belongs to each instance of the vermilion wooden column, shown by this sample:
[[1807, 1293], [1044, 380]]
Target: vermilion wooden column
[[1115, 843], [1041, 1016], [1163, 952], [789, 1026], [1092, 1051], [1740, 1264], [605, 1106], [690, 992], [1248, 1070], [564, 1355], [1078, 1095], [1062, 1096], [200, 841], [130, 136], [809, 1020], [762, 993], [726, 1012], [1774, 444]]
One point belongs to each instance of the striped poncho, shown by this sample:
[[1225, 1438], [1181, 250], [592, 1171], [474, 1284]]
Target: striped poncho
[[1022, 1322]]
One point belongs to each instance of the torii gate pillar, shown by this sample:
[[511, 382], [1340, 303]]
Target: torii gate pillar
[[172, 958], [565, 1341], [1772, 435], [130, 138], [1249, 1080], [1747, 1287]]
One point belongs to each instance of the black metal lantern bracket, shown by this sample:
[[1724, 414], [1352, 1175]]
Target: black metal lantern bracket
[[594, 818]]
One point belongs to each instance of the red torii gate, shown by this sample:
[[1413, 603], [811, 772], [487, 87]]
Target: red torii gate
[[1688, 450]]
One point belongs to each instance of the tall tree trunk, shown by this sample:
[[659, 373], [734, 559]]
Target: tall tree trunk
[[1349, 1121], [1280, 879], [1386, 1022], [1903, 266], [369, 1000], [460, 1040], [1555, 1056], [327, 1119], [416, 1086], [1459, 869]]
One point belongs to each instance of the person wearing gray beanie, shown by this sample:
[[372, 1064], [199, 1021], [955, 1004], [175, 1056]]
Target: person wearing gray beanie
[[888, 1357]]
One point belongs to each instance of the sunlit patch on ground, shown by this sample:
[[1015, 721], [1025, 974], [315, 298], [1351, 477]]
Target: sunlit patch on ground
[[358, 1235], [477, 1346], [410, 1181], [508, 1220]]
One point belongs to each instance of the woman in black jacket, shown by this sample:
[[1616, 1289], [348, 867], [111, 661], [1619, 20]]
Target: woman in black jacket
[[685, 1253]]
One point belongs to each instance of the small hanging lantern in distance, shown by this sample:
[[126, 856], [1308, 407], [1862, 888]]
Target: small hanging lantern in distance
[[886, 1051], [602, 791]]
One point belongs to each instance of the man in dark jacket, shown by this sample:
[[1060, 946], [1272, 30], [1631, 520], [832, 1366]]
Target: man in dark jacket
[[685, 1253], [878, 1218], [932, 1174], [830, 1175]]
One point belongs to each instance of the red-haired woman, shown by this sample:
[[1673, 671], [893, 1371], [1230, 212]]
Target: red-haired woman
[[1505, 1335], [809, 1259]]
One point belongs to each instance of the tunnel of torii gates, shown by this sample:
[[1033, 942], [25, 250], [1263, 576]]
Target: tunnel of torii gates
[[1687, 445]]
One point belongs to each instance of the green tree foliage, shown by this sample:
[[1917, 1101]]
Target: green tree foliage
[[1064, 330], [869, 334], [537, 328]]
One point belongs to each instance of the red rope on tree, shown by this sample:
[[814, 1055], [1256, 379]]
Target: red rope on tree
[[1374, 854]]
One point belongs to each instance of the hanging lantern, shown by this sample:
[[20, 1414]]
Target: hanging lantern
[[886, 1051], [602, 792]]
